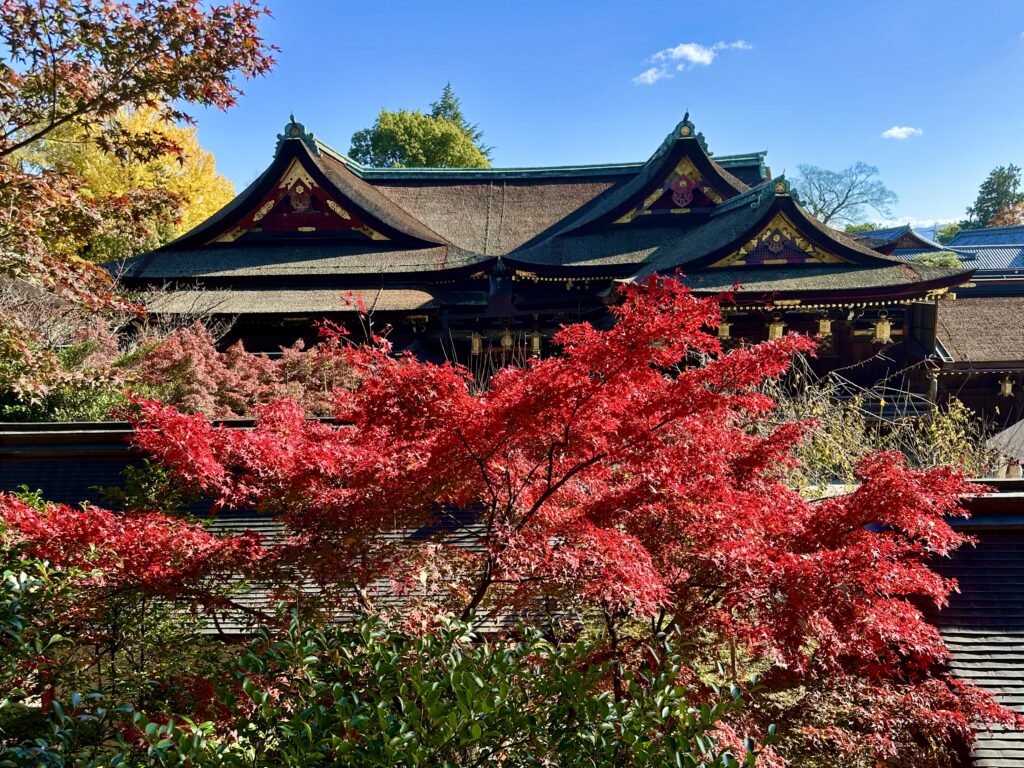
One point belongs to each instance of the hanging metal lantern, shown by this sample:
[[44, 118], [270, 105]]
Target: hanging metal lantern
[[535, 342], [824, 326], [1006, 387], [506, 339], [476, 343], [776, 327], [723, 330], [883, 328]]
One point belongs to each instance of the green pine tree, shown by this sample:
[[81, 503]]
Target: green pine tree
[[449, 106], [441, 139], [999, 192]]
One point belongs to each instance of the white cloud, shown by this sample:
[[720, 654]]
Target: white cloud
[[914, 222], [901, 132], [687, 53], [739, 45], [651, 76], [685, 56]]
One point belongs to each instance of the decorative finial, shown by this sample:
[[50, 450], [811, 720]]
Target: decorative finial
[[296, 130], [686, 129], [783, 187]]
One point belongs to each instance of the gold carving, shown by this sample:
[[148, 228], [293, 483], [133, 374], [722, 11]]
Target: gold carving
[[264, 210], [370, 233], [780, 223], [684, 131], [685, 169], [298, 185], [296, 173], [231, 235], [338, 210]]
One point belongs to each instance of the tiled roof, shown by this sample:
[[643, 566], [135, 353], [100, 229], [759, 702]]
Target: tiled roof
[[911, 253], [70, 462], [982, 330], [877, 238], [983, 625], [887, 234], [991, 257], [989, 236]]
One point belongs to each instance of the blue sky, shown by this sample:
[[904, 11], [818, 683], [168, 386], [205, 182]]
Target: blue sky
[[555, 83]]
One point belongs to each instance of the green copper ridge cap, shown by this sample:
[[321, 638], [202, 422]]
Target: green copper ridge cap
[[754, 197], [685, 129], [758, 195], [782, 186], [296, 130]]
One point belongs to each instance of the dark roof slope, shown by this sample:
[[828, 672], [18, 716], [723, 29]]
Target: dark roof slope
[[312, 301], [983, 625], [885, 235], [825, 282], [493, 216], [240, 260], [983, 330], [904, 238]]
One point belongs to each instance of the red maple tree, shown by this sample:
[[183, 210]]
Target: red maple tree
[[620, 481], [630, 483]]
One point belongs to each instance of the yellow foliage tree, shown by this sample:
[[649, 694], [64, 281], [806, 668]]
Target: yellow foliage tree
[[185, 175]]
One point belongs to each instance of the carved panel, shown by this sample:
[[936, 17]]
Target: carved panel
[[778, 243], [681, 191]]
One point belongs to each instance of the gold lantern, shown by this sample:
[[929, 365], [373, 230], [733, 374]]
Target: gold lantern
[[883, 328], [775, 327], [1006, 387], [535, 341], [476, 343], [506, 340], [723, 330], [824, 326]]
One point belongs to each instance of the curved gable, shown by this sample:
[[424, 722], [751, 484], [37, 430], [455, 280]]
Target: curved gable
[[304, 196], [680, 178]]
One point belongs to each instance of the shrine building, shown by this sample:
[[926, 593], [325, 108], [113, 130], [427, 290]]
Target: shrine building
[[482, 265]]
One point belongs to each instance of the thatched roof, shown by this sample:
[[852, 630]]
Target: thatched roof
[[983, 331], [316, 221], [314, 301]]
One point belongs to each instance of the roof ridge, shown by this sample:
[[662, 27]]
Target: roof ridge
[[685, 129], [992, 229], [757, 195]]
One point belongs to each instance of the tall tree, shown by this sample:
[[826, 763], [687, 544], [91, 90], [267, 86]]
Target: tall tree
[[449, 106], [622, 483], [846, 196], [441, 139], [75, 63], [71, 65], [998, 197], [185, 175]]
